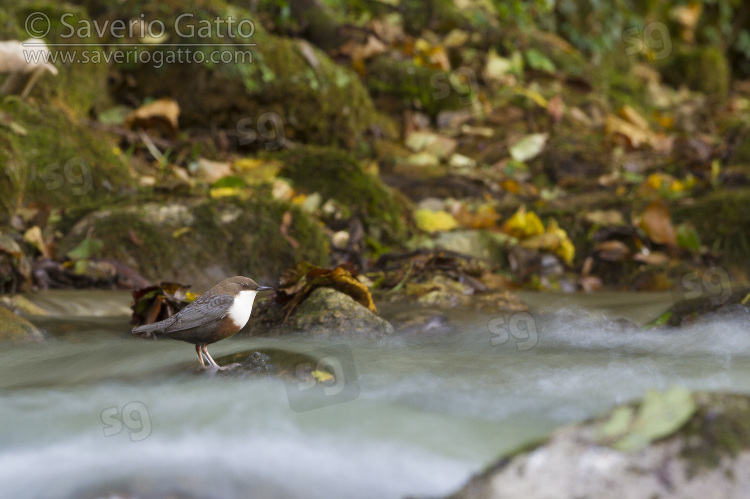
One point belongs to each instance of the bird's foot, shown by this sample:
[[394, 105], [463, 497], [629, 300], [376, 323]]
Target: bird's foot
[[211, 368], [228, 367]]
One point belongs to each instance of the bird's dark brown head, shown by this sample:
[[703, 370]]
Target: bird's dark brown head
[[235, 285]]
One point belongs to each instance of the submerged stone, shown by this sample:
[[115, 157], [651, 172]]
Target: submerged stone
[[17, 329]]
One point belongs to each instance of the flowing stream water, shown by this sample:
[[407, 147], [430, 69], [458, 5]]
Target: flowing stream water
[[93, 412]]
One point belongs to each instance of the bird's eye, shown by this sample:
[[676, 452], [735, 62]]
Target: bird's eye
[[244, 284]]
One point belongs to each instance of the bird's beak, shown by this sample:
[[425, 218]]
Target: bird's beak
[[264, 288]]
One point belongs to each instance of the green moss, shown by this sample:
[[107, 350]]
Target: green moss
[[196, 240], [316, 100], [703, 69], [724, 218], [720, 429], [258, 247], [153, 254], [52, 160], [337, 175], [79, 85], [429, 87]]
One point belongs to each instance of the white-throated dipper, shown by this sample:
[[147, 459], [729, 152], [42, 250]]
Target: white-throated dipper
[[218, 313]]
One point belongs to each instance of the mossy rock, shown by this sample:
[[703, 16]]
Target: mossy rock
[[50, 158], [17, 329], [429, 88], [705, 456], [722, 217], [79, 86], [326, 312], [703, 69], [317, 100], [202, 242], [337, 175]]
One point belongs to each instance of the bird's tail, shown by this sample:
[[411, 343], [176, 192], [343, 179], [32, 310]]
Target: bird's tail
[[148, 330]]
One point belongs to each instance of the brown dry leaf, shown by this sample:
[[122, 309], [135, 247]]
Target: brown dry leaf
[[636, 135], [652, 258], [299, 282], [370, 49], [612, 251], [34, 237], [657, 223], [161, 112], [634, 117], [342, 280], [484, 217]]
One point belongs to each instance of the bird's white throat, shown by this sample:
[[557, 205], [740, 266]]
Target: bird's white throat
[[240, 310]]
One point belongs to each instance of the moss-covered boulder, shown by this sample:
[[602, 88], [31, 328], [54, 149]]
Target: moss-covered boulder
[[705, 453], [242, 78], [324, 313], [203, 242], [722, 217], [81, 81], [337, 175], [428, 88], [51, 158], [703, 69], [17, 329]]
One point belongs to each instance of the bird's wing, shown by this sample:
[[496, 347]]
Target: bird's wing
[[203, 311]]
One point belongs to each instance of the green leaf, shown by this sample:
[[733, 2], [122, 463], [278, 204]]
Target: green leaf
[[88, 248], [660, 415], [231, 181], [539, 61], [687, 238], [528, 147]]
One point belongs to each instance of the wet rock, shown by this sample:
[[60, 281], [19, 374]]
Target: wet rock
[[483, 244], [706, 456], [17, 329], [19, 304], [325, 312], [421, 322], [266, 361]]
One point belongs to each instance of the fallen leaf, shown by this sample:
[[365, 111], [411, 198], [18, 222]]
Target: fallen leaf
[[34, 237], [528, 147], [612, 251], [159, 113], [434, 221], [657, 223], [523, 225]]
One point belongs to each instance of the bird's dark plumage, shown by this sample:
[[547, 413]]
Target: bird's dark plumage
[[218, 313]]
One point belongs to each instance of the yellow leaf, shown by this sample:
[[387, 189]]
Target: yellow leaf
[[223, 192], [435, 221], [523, 225], [322, 376]]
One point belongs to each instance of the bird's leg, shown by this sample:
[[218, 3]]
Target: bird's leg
[[204, 349], [199, 351], [213, 362]]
